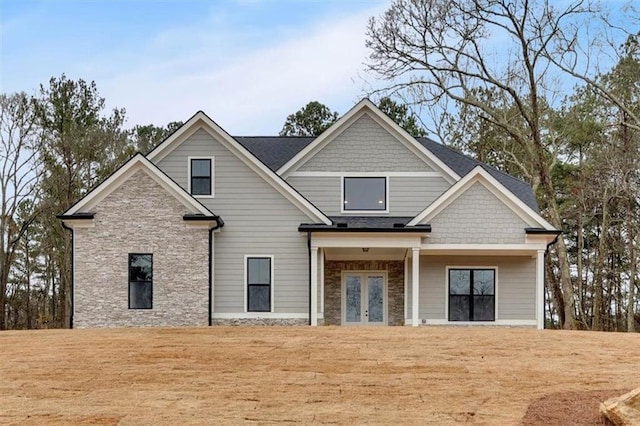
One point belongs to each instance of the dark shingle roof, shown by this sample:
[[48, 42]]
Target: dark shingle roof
[[366, 223], [275, 151], [461, 164]]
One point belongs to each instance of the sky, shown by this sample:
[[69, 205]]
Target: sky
[[246, 63]]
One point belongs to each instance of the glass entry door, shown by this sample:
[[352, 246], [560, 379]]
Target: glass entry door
[[364, 298]]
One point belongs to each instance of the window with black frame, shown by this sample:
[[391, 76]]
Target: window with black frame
[[201, 182], [259, 275], [364, 194], [140, 281], [472, 294]]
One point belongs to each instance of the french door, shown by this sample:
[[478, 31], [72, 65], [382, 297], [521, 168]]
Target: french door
[[364, 298]]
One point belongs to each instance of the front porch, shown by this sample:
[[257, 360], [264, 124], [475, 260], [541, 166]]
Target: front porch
[[416, 282]]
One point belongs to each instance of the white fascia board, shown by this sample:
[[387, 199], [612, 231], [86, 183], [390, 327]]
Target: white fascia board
[[481, 249], [201, 121], [79, 223], [364, 239], [176, 138], [367, 107], [541, 238], [120, 176], [479, 174]]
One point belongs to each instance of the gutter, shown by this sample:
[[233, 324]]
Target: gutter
[[338, 228]]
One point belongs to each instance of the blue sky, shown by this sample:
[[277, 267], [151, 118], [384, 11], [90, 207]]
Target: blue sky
[[246, 63]]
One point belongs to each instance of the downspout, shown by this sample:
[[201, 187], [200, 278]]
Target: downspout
[[72, 272], [210, 277], [219, 225], [309, 250]]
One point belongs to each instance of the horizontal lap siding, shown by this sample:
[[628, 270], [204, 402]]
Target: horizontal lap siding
[[324, 191], [516, 280], [258, 221], [408, 196]]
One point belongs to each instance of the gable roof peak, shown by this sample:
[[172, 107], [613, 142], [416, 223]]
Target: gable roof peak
[[480, 174], [137, 162], [242, 153], [367, 106]]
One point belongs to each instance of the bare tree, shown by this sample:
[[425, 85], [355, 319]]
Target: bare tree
[[456, 49], [19, 176]]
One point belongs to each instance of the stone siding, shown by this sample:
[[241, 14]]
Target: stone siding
[[477, 217], [141, 217], [333, 288]]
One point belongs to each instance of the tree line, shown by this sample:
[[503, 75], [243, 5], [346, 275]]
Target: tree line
[[55, 146], [500, 102]]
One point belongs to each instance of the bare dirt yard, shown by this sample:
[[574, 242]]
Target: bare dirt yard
[[399, 375]]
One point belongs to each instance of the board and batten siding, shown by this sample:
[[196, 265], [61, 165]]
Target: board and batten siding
[[258, 221], [516, 284], [477, 217], [363, 147], [408, 196]]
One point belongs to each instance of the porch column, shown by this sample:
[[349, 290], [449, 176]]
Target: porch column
[[406, 289], [313, 299], [415, 285], [540, 289], [321, 282]]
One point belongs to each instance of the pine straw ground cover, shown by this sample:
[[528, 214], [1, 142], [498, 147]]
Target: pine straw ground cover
[[399, 375]]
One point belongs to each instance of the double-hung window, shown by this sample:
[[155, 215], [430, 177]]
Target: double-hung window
[[472, 294], [259, 277], [140, 281], [201, 176], [364, 194]]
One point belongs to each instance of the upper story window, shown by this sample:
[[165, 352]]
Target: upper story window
[[364, 194], [201, 176], [140, 281]]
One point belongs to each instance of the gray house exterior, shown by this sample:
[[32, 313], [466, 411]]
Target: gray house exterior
[[363, 225]]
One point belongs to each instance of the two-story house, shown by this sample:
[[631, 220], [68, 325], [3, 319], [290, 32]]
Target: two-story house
[[363, 225]]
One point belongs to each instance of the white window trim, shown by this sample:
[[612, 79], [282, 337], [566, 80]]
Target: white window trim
[[446, 293], [246, 284], [343, 296], [213, 179], [371, 212]]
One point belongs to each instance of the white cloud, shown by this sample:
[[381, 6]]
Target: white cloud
[[247, 90]]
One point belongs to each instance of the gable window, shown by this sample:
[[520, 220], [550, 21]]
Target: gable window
[[259, 281], [201, 176], [364, 194], [472, 294], [140, 281]]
